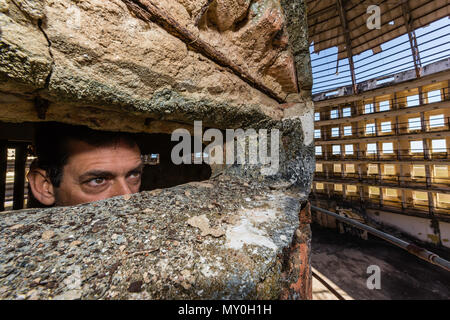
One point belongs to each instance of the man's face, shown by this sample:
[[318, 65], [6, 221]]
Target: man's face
[[97, 173]]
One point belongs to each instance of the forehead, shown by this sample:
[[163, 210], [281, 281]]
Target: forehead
[[115, 157]]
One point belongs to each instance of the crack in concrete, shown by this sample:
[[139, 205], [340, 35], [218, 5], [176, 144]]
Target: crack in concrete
[[47, 80]]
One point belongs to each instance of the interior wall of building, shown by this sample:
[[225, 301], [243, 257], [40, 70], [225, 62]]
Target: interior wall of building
[[395, 158]]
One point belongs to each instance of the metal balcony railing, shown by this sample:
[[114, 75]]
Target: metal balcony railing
[[380, 155], [373, 202], [399, 102], [387, 180], [385, 130], [13, 189]]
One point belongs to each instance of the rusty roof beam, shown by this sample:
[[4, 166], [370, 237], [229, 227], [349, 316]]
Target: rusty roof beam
[[368, 32], [412, 37], [348, 43], [317, 14]]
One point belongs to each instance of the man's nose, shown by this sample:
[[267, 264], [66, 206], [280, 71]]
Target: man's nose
[[120, 187]]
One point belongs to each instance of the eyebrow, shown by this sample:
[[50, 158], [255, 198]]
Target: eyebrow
[[139, 168], [95, 174], [101, 173]]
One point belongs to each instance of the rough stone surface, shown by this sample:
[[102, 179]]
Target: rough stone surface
[[95, 63], [73, 54], [4, 6], [25, 60], [77, 55], [256, 39], [34, 9], [149, 61], [297, 30], [252, 32], [225, 14], [146, 247]]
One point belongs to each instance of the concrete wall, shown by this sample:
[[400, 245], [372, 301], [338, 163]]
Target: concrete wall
[[416, 227]]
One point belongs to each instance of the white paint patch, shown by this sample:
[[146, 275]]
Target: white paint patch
[[246, 233], [252, 226], [444, 227], [260, 216], [207, 272], [417, 227]]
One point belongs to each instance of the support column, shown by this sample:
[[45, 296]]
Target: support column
[[19, 176], [361, 194], [428, 175], [348, 43], [397, 126], [380, 173], [403, 195], [431, 203], [397, 132], [423, 122], [426, 150], [401, 177], [358, 151], [412, 37], [360, 175], [395, 102], [381, 197], [421, 100]]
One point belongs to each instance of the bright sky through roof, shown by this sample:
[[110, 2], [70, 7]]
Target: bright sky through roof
[[434, 45]]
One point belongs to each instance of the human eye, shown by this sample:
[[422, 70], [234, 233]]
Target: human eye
[[96, 182], [135, 176]]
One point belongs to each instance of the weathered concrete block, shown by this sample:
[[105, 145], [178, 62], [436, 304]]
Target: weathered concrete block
[[149, 246]]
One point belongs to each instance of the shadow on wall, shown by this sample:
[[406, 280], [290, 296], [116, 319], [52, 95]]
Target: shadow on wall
[[166, 174], [158, 175]]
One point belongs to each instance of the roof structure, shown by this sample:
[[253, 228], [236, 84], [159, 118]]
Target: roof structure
[[344, 24]]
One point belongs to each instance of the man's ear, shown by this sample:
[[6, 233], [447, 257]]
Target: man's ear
[[41, 187]]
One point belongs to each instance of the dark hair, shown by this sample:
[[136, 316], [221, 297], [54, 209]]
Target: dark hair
[[51, 142]]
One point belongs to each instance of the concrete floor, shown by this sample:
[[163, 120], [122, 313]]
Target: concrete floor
[[342, 262]]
